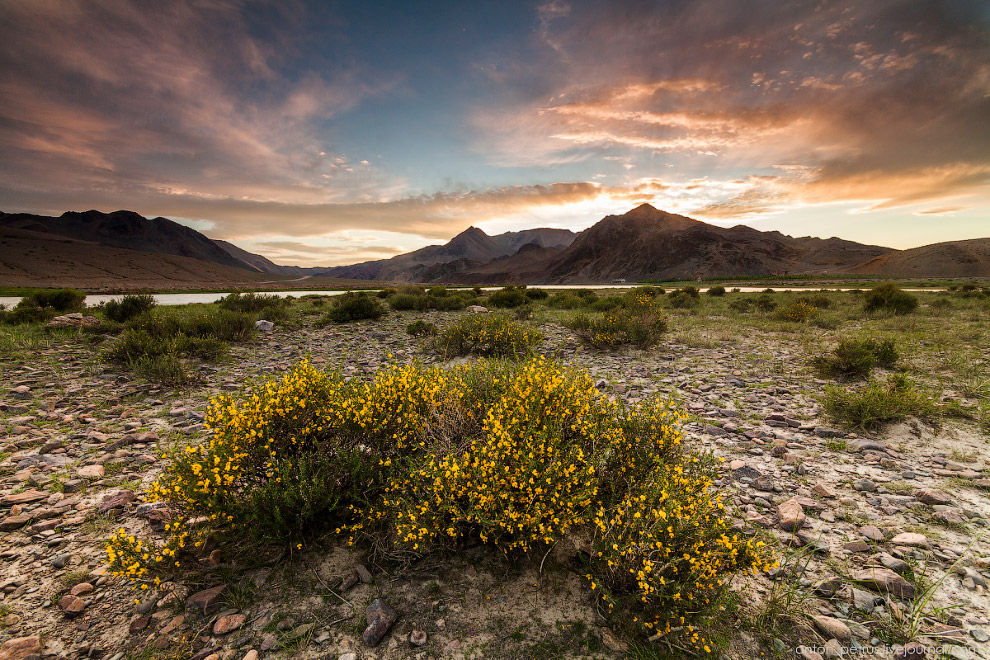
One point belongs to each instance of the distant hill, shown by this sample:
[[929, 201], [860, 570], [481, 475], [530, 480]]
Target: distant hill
[[127, 229], [29, 258], [950, 259], [469, 249]]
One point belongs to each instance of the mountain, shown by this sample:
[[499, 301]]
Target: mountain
[[40, 259], [265, 265], [127, 229], [950, 259], [647, 243], [472, 248]]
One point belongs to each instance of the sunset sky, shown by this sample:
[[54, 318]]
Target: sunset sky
[[330, 133]]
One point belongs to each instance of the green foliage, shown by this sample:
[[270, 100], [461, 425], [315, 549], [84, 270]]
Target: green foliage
[[878, 402], [889, 298], [716, 290], [166, 369], [819, 301], [420, 328], [765, 304], [439, 298], [855, 358], [251, 302], [566, 300], [638, 323], [128, 307], [682, 299], [225, 325], [136, 344], [405, 301], [537, 294], [691, 291], [354, 307], [797, 312], [607, 303], [741, 305], [508, 297], [492, 335], [58, 300]]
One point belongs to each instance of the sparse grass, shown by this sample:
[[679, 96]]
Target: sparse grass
[[878, 402], [73, 578]]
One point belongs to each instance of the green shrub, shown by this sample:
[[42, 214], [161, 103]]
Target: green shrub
[[128, 307], [225, 325], [565, 300], [889, 298], [639, 324], [741, 305], [855, 358], [649, 290], [420, 328], [878, 402], [765, 304], [716, 290], [819, 301], [386, 292], [489, 335], [136, 344], [797, 312], [508, 297], [412, 290], [354, 307], [437, 292], [252, 302], [166, 369], [25, 313], [448, 303], [404, 301], [58, 300], [768, 291], [681, 300], [537, 294], [607, 303]]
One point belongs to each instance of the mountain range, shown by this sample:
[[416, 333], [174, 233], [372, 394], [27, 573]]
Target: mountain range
[[642, 244]]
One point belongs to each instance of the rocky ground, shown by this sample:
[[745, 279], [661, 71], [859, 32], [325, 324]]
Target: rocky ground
[[862, 522]]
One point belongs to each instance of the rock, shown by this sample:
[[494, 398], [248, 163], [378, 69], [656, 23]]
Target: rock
[[872, 533], [823, 491], [865, 486], [808, 653], [348, 656], [885, 581], [264, 326], [613, 643], [251, 655], [138, 624], [81, 589], [893, 563], [20, 648], [834, 649], [857, 546], [380, 618], [932, 496], [11, 523], [417, 638], [74, 320], [863, 600], [206, 600], [791, 515], [228, 624], [476, 308], [830, 627], [118, 500], [363, 573], [979, 635], [70, 486], [26, 497], [91, 472], [911, 539], [72, 606]]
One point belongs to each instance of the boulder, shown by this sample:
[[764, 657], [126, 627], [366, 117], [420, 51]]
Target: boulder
[[380, 617]]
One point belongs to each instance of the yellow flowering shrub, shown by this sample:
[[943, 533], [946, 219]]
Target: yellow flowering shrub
[[514, 454], [798, 312], [639, 323], [489, 335]]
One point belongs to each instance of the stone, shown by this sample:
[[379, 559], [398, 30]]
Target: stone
[[380, 617], [228, 624], [932, 496], [91, 472], [138, 624], [830, 627], [872, 533], [250, 655], [206, 600], [71, 606], [865, 486], [26, 497], [857, 546], [264, 326], [476, 309], [118, 500], [363, 574], [979, 635], [20, 648], [791, 515], [613, 643], [11, 523], [81, 589], [834, 649], [808, 653], [885, 581], [823, 491], [863, 601], [911, 539], [348, 656], [417, 638], [893, 563], [74, 320]]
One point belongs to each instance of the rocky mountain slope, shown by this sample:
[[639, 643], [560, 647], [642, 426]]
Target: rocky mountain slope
[[951, 259]]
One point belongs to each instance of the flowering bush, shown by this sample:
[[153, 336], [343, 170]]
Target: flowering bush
[[492, 335], [517, 455], [798, 312], [639, 323]]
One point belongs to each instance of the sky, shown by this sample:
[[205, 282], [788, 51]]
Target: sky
[[329, 133]]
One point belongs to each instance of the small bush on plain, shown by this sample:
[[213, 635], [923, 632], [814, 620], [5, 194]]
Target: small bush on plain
[[128, 307], [855, 358], [508, 297], [716, 290], [889, 298], [797, 312], [58, 300], [639, 323], [354, 307], [490, 335], [420, 328], [878, 402]]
